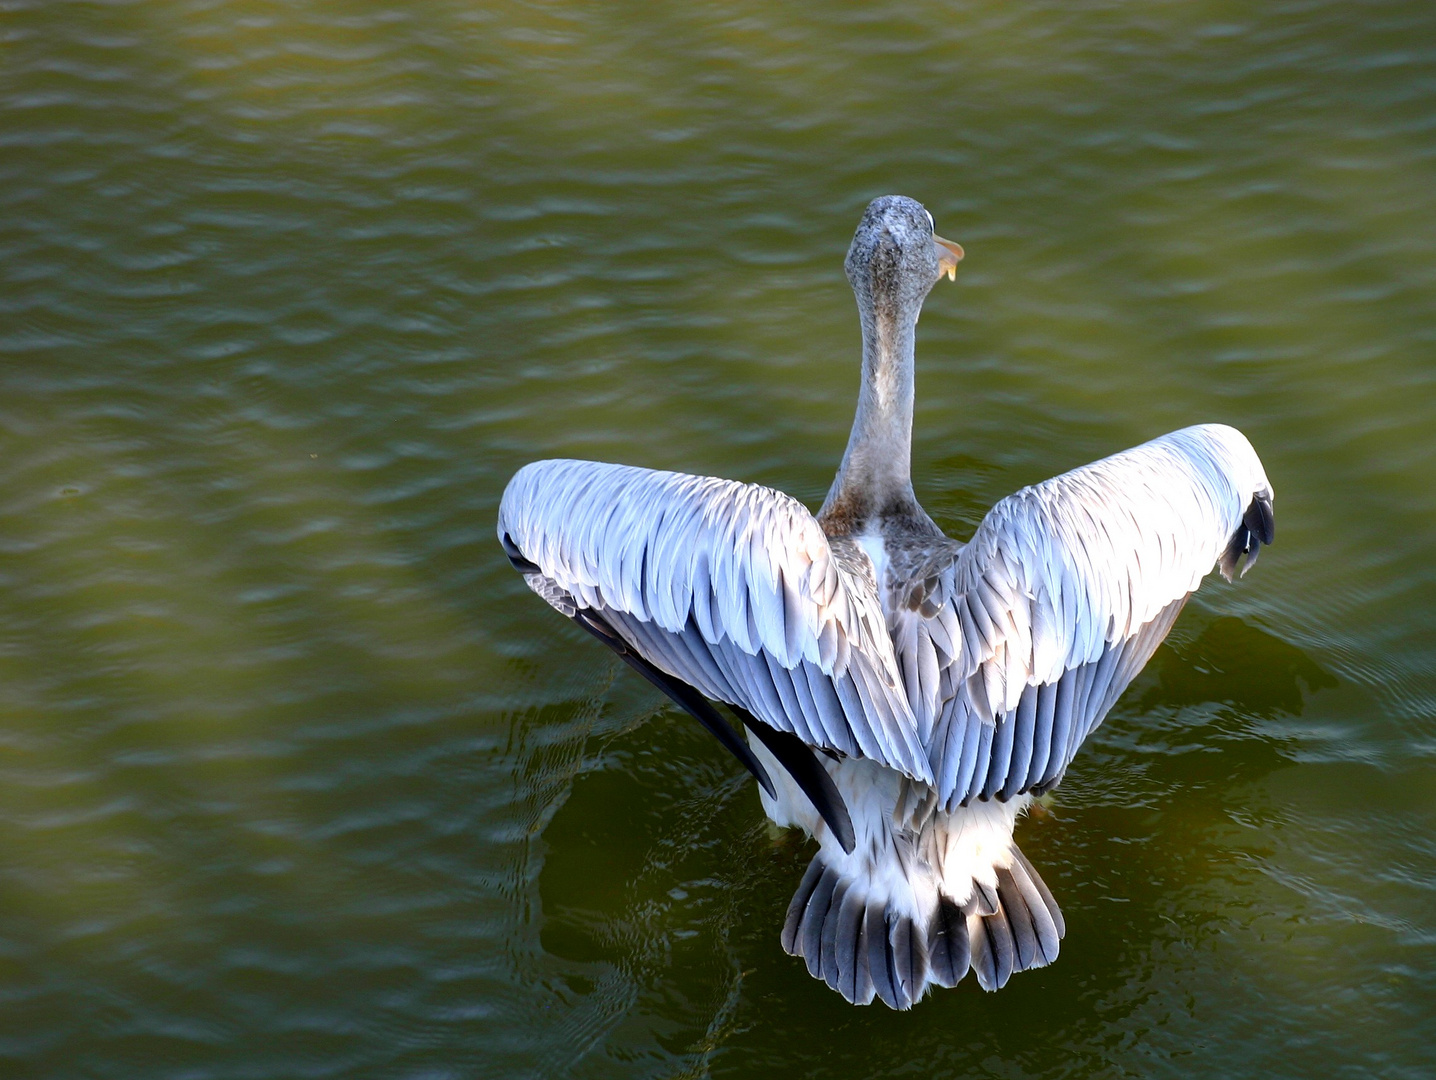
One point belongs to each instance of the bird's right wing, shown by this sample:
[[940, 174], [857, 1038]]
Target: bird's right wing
[[732, 588], [1019, 645]]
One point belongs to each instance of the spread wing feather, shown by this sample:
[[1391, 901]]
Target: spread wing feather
[[1062, 595], [732, 588]]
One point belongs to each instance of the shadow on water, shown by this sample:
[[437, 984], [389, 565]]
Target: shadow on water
[[1212, 710], [663, 891], [632, 908], [1209, 711], [1240, 665]]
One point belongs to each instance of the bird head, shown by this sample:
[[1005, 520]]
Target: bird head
[[895, 258]]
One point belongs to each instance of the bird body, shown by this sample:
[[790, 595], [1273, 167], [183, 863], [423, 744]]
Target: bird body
[[905, 696]]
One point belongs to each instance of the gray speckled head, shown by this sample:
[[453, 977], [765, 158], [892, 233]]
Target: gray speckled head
[[894, 261]]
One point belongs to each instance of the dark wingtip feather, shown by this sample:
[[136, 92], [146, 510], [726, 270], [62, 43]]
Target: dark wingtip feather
[[808, 773], [516, 557], [1261, 519], [1258, 527], [1253, 550], [1038, 790], [687, 698], [1232, 553]]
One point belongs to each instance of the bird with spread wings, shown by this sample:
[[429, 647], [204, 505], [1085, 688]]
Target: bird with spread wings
[[904, 696]]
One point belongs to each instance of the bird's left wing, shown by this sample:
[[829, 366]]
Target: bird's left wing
[[732, 588], [1016, 648]]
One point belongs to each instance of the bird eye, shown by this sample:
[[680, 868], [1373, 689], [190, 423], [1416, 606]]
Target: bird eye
[[930, 223]]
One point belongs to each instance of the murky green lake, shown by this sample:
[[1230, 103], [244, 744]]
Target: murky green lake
[[297, 779]]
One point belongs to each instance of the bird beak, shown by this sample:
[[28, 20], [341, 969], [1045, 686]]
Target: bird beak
[[949, 255]]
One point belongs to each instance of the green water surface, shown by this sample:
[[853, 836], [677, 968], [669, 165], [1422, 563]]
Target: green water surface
[[298, 780]]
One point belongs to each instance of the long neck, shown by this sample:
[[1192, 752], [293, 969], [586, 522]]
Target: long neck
[[875, 478]]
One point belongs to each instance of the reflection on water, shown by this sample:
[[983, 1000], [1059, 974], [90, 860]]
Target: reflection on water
[[298, 779]]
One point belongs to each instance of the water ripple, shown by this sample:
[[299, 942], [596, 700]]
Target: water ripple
[[300, 780]]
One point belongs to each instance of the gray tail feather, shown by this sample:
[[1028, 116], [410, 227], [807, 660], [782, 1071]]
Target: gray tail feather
[[864, 951], [1022, 933]]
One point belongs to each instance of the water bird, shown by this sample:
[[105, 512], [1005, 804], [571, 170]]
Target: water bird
[[904, 696]]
